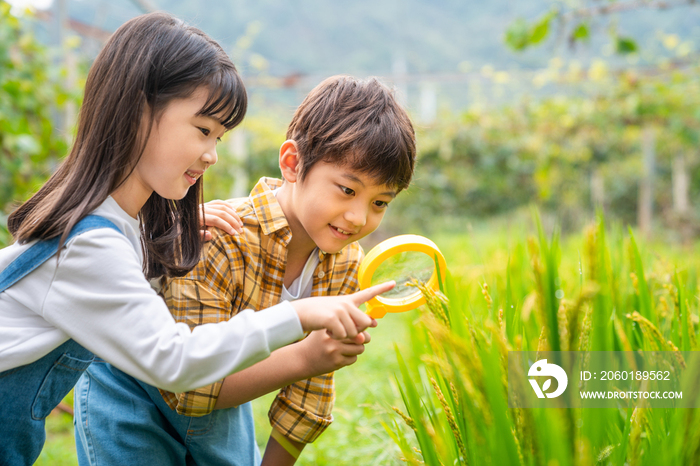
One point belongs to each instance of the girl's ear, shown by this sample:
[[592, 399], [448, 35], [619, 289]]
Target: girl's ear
[[289, 161]]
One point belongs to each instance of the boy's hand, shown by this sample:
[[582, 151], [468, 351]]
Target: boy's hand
[[339, 315], [322, 354], [222, 215]]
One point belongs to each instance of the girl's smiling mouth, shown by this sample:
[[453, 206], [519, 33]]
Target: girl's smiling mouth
[[192, 175]]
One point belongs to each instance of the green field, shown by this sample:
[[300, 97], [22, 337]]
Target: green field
[[598, 291]]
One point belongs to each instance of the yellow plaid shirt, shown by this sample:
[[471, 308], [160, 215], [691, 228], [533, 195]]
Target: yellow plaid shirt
[[247, 272]]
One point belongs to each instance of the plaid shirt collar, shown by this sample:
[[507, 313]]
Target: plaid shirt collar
[[267, 210]]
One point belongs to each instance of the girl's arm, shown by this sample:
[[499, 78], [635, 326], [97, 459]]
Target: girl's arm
[[99, 297]]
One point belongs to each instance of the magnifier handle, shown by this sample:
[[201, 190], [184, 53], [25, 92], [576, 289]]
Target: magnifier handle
[[376, 312]]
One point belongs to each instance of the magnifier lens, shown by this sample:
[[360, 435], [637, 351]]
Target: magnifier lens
[[403, 268]]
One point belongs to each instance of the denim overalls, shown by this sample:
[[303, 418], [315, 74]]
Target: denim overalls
[[107, 400], [29, 393]]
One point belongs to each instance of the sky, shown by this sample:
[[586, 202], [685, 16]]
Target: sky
[[20, 5]]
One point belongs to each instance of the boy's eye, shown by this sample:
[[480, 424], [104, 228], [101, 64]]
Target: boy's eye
[[347, 191], [381, 204]]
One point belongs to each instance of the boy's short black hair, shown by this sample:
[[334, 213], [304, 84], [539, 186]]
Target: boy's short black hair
[[359, 124]]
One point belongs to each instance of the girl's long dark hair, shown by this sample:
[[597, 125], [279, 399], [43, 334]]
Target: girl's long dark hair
[[149, 61]]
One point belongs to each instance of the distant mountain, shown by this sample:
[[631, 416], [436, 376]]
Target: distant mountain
[[373, 36], [435, 50], [377, 36]]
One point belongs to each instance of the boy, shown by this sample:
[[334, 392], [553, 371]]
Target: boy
[[350, 150]]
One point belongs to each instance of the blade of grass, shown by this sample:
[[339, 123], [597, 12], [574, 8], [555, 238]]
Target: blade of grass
[[646, 308], [685, 316], [414, 407]]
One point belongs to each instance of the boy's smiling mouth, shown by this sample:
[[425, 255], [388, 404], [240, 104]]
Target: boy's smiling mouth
[[340, 233]]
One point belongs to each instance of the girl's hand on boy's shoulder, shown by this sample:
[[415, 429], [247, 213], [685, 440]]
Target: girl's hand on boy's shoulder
[[222, 215]]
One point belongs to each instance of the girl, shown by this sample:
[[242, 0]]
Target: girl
[[124, 203]]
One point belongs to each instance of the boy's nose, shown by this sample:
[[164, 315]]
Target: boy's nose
[[357, 217]]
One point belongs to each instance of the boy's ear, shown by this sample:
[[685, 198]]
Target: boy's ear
[[289, 161]]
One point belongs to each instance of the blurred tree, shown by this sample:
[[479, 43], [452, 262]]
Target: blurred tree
[[653, 102], [573, 21], [31, 92], [569, 154]]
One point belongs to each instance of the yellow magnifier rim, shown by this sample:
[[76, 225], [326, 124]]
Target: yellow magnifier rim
[[378, 306]]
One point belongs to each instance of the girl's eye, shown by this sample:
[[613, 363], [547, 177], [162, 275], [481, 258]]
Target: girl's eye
[[381, 204], [204, 131], [347, 191]]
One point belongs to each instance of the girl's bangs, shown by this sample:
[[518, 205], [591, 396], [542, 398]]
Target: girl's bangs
[[227, 101]]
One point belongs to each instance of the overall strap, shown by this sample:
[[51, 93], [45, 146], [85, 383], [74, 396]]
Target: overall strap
[[42, 250]]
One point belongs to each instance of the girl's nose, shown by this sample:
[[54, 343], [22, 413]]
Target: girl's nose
[[210, 157]]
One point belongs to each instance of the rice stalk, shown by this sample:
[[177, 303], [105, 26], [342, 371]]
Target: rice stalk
[[638, 424], [450, 419], [408, 420], [563, 322]]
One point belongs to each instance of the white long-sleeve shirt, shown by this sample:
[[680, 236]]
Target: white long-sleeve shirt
[[97, 295]]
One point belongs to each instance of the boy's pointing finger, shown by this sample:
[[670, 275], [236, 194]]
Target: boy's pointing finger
[[365, 295]]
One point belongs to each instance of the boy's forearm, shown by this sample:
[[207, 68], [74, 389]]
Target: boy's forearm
[[317, 354], [277, 455], [282, 368]]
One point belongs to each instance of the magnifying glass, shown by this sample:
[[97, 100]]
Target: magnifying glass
[[402, 258]]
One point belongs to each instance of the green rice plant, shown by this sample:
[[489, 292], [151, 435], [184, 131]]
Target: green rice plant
[[609, 295]]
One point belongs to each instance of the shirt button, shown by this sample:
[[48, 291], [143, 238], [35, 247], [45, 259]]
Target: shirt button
[[321, 274]]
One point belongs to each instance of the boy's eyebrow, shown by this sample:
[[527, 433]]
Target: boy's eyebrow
[[357, 180]]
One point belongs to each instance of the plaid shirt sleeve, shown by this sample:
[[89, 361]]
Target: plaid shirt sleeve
[[205, 295], [302, 411]]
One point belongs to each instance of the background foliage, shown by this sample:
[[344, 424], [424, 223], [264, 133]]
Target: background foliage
[[573, 149], [32, 94], [491, 161]]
